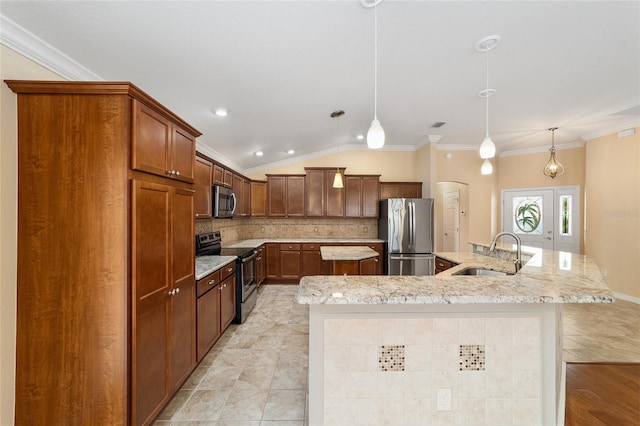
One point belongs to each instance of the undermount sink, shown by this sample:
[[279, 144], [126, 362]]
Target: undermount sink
[[481, 271]]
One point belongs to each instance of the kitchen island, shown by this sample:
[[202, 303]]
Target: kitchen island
[[382, 349], [354, 260]]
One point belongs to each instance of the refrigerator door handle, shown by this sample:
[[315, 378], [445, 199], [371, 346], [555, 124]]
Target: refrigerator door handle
[[412, 209]]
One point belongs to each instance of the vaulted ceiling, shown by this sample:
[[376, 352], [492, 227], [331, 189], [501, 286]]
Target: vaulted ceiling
[[281, 67]]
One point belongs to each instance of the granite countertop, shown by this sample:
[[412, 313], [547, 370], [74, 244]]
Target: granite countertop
[[347, 253], [208, 264], [253, 243], [547, 277]]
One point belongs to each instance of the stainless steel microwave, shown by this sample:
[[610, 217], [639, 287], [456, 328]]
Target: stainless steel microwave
[[224, 201]]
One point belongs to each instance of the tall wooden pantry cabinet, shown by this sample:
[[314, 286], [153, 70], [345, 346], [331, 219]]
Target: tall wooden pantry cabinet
[[106, 281]]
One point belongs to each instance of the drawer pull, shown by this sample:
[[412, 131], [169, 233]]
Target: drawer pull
[[229, 269], [211, 282]]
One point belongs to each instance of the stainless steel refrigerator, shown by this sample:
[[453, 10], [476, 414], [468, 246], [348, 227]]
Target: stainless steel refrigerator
[[406, 226]]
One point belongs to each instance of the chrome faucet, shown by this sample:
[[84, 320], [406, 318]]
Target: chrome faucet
[[518, 261]]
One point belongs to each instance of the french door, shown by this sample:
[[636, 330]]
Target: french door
[[546, 218]]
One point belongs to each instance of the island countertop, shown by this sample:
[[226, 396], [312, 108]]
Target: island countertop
[[547, 277], [347, 253]]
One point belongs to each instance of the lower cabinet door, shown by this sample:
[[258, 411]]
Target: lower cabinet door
[[208, 320], [227, 301], [369, 266]]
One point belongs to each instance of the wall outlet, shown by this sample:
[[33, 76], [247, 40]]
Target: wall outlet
[[262, 229], [443, 399], [365, 229], [315, 229]]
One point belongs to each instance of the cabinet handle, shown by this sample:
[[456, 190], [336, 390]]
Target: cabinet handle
[[176, 172], [290, 247], [177, 290], [171, 292], [375, 260], [212, 282], [229, 269], [220, 288]]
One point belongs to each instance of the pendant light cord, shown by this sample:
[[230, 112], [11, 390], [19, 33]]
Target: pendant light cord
[[375, 64], [487, 95]]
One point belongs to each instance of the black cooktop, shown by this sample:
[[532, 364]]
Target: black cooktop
[[210, 244]]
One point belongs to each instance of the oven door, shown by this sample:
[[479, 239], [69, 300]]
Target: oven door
[[248, 274]]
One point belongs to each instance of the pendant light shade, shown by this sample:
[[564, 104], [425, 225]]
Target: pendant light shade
[[375, 135], [487, 148], [486, 168], [337, 180], [553, 167]]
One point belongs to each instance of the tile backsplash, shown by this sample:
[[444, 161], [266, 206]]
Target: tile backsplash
[[258, 228]]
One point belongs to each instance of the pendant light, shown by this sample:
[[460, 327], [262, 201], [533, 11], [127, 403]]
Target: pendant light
[[486, 168], [375, 135], [553, 167], [337, 178], [487, 148]]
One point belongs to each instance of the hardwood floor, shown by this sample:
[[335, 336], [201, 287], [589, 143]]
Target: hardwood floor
[[602, 394]]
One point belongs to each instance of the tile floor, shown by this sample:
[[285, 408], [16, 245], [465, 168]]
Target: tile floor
[[256, 374]]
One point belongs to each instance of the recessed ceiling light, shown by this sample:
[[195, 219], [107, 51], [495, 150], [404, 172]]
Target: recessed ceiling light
[[221, 112], [291, 151], [259, 153], [360, 137]]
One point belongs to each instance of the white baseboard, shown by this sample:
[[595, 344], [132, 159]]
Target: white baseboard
[[627, 298]]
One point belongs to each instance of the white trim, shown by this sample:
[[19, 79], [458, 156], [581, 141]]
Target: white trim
[[208, 151], [614, 128], [33, 47], [453, 147], [631, 299]]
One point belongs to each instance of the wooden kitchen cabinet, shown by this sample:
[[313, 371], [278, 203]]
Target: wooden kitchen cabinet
[[208, 323], [227, 301], [164, 288], [161, 147], [273, 261], [400, 190], [285, 195], [290, 261], [216, 307], [362, 194], [443, 264], [238, 188], [106, 298], [203, 181], [312, 263], [322, 199], [258, 198], [222, 176], [246, 196]]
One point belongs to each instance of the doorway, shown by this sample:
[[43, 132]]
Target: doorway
[[546, 218], [451, 212]]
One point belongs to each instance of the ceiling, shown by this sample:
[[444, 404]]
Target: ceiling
[[282, 67]]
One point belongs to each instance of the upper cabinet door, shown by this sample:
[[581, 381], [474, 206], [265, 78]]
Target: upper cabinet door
[[203, 184], [151, 141], [160, 147], [183, 154]]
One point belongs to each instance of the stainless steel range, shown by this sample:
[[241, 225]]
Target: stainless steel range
[[210, 244]]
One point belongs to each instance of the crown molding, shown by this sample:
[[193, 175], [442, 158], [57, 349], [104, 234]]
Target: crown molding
[[212, 153], [455, 147], [632, 122], [34, 48]]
